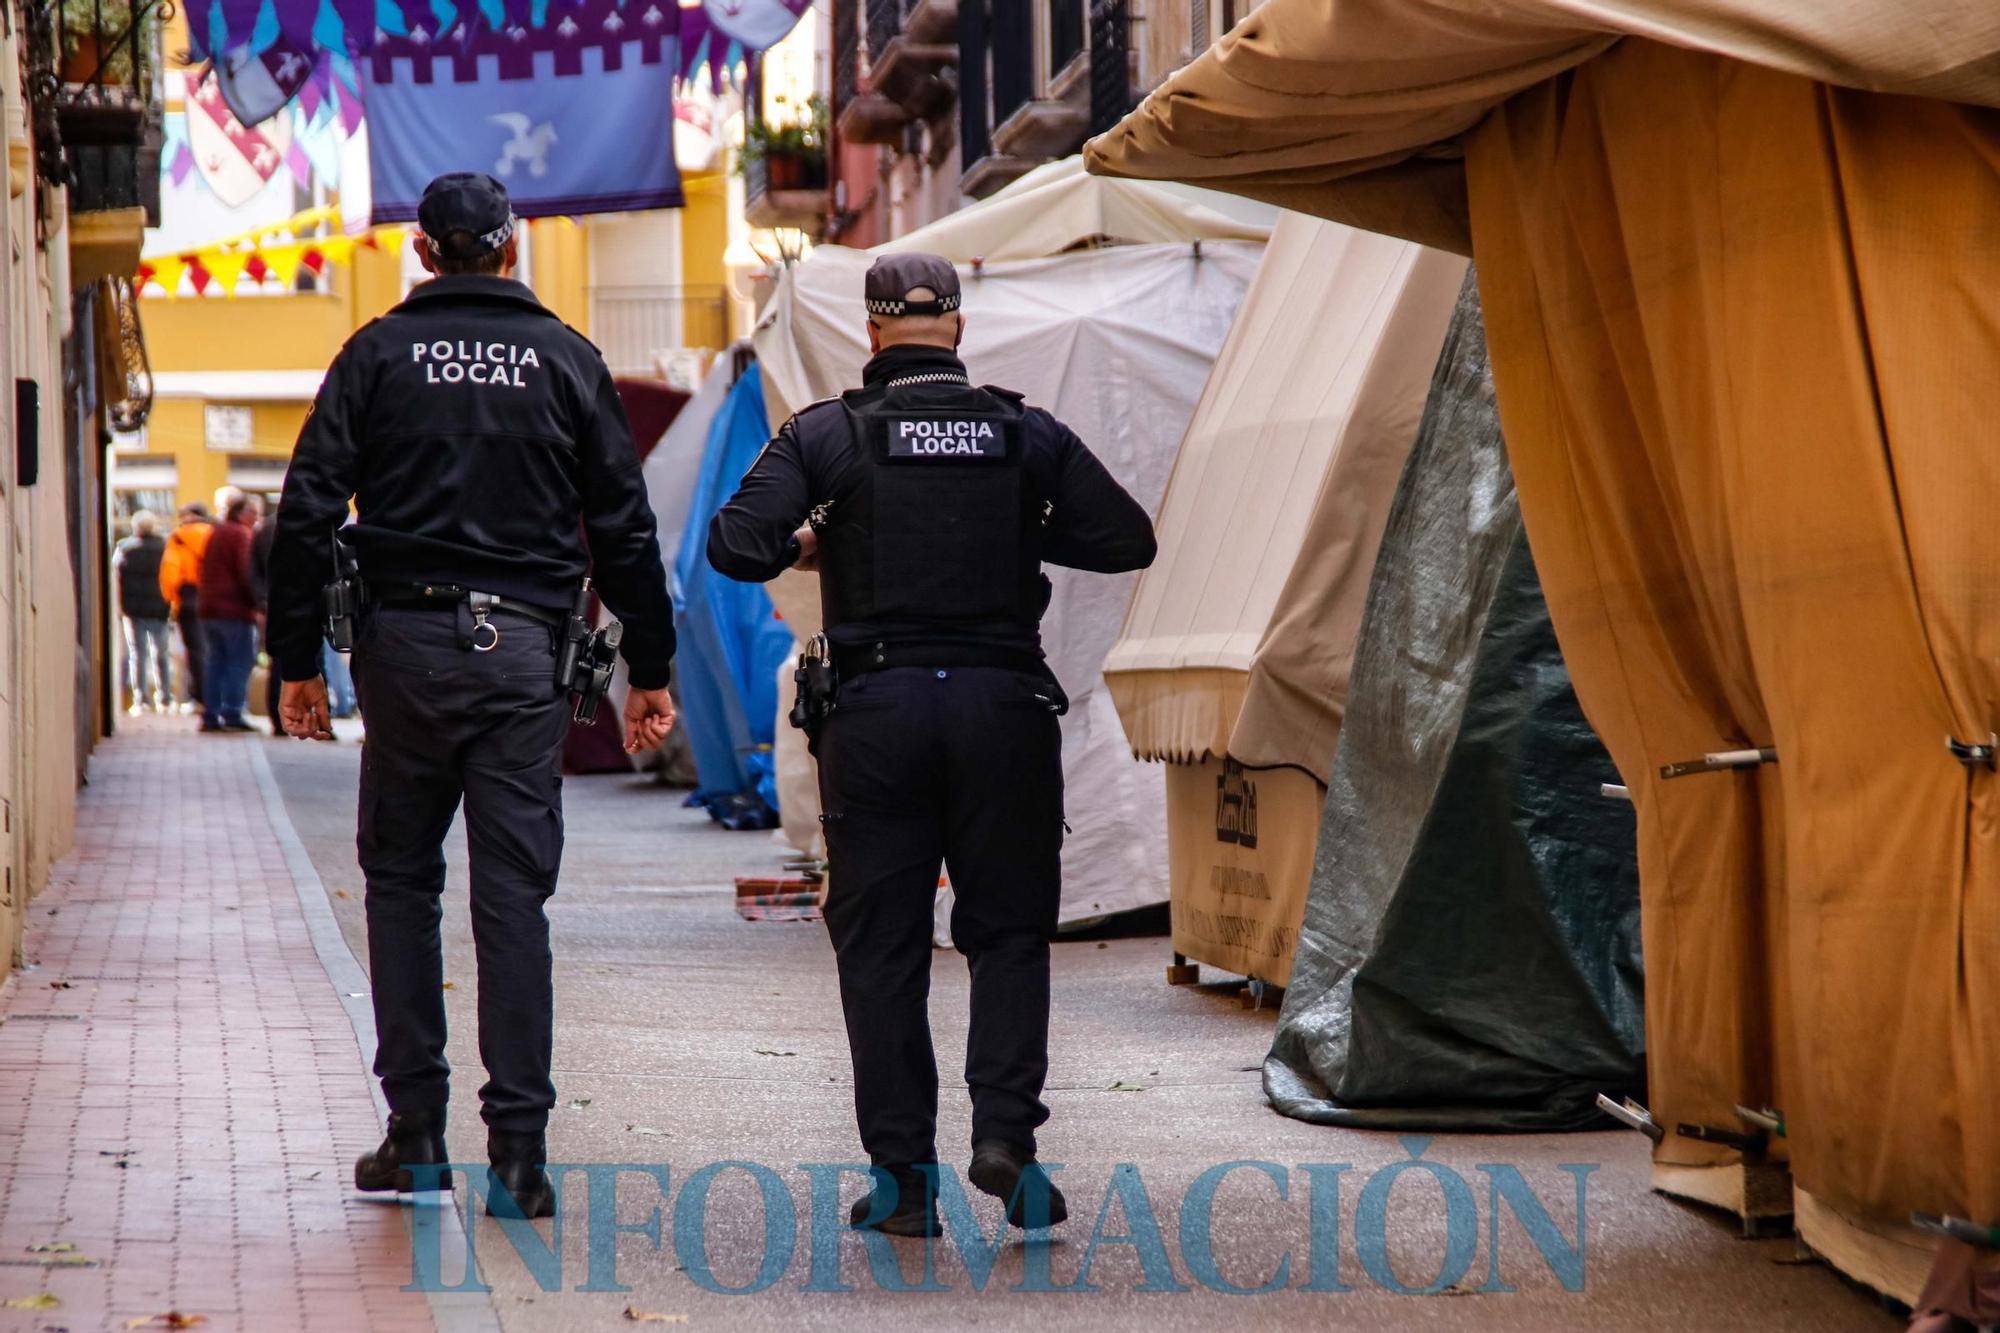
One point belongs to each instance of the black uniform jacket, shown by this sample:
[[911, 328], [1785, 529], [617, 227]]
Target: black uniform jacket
[[1092, 524], [482, 442]]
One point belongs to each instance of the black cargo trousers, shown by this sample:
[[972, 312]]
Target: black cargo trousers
[[447, 724], [959, 766]]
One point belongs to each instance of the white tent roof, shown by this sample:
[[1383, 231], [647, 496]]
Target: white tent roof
[[1239, 638], [1114, 339], [1058, 207]]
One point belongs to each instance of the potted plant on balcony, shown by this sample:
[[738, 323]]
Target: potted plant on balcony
[[107, 42], [792, 150]]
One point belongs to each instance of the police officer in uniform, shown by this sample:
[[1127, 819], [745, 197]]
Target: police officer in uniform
[[933, 505], [482, 441]]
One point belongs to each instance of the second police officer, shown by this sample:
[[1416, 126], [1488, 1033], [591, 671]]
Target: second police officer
[[482, 442], [933, 506]]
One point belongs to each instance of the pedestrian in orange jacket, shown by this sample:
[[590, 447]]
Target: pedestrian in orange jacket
[[180, 575]]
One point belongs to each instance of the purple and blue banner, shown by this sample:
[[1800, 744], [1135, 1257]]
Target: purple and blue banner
[[574, 115]]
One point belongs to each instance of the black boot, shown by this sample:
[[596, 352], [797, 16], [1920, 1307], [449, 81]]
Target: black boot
[[415, 1139], [899, 1204], [1014, 1176], [518, 1185]]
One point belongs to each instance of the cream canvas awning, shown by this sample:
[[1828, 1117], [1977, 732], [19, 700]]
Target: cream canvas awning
[[1352, 109], [1239, 638]]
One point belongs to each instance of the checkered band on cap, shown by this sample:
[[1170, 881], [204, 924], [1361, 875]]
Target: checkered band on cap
[[942, 305]]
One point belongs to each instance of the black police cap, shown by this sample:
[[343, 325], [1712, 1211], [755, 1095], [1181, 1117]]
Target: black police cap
[[468, 202], [892, 278]]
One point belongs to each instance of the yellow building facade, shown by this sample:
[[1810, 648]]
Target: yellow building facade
[[234, 375], [235, 370]]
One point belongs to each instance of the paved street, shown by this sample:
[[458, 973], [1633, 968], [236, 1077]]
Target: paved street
[[188, 1095]]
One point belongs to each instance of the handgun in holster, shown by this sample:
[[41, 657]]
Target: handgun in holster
[[818, 682], [340, 601], [585, 664]]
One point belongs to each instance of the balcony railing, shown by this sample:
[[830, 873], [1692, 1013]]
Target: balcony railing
[[1110, 63], [909, 50], [885, 21], [846, 52], [107, 89], [637, 325], [1066, 33]]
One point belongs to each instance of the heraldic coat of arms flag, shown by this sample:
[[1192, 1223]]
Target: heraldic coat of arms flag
[[574, 114]]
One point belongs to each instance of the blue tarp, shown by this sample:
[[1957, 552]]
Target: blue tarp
[[731, 641]]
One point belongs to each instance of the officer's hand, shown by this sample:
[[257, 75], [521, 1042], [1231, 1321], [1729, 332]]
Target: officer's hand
[[649, 716], [302, 708], [808, 549]]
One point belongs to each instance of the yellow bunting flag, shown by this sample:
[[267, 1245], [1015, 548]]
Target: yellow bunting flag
[[283, 261], [225, 266]]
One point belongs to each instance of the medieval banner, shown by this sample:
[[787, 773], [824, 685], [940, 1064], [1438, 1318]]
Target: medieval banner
[[510, 103]]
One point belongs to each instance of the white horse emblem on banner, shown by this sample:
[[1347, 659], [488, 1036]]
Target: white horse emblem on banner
[[530, 144]]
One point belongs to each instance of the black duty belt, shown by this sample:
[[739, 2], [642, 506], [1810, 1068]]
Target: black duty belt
[[450, 596], [858, 659]]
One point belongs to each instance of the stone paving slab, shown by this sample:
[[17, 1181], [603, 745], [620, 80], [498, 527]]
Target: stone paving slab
[[182, 1086]]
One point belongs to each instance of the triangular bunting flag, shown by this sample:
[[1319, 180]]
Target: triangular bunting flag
[[225, 266], [283, 261]]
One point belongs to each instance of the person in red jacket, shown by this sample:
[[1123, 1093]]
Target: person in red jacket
[[229, 618]]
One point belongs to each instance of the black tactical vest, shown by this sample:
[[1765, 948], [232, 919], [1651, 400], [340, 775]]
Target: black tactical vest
[[945, 526]]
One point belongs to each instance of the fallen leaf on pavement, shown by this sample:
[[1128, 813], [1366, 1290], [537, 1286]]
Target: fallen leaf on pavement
[[762, 1051], [447, 985], [171, 1319], [578, 1103], [638, 1316], [53, 1247], [62, 985], [340, 893], [1122, 1086], [646, 1129], [41, 1300]]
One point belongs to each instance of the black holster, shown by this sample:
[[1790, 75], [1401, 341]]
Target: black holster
[[586, 658], [818, 682]]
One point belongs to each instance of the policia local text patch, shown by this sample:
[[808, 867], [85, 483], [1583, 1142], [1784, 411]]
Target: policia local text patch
[[946, 437]]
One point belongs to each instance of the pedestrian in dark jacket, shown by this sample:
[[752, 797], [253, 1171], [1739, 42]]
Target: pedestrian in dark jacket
[[229, 618], [149, 659]]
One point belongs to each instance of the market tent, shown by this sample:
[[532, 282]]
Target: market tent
[[730, 641], [1115, 339], [1355, 109], [1235, 650], [1742, 323], [1277, 499], [1469, 955]]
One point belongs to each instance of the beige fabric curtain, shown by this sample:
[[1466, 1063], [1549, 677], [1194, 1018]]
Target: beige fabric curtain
[[1354, 109], [1745, 332], [1239, 637], [1745, 329]]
